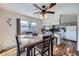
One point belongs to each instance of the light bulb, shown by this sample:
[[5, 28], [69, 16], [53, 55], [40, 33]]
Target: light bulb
[[45, 16], [41, 16]]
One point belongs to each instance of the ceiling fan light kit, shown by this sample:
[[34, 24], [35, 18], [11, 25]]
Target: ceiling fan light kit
[[43, 16], [45, 10]]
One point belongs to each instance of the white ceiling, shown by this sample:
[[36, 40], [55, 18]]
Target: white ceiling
[[29, 9]]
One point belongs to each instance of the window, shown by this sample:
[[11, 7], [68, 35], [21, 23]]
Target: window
[[24, 23], [27, 26], [33, 26]]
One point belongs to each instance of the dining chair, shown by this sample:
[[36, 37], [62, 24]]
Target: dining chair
[[20, 48], [43, 48]]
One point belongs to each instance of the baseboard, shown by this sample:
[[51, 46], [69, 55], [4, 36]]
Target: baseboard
[[6, 48], [77, 53], [0, 50], [70, 40]]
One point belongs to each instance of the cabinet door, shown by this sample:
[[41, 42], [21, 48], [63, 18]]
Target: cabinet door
[[71, 33]]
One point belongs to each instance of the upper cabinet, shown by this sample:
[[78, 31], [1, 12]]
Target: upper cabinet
[[68, 20]]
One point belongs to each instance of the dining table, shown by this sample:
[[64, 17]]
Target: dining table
[[31, 41]]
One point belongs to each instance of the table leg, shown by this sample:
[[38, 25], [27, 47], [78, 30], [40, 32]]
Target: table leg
[[51, 47], [28, 51]]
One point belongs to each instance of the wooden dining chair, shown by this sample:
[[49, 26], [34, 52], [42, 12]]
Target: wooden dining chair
[[43, 48], [20, 48]]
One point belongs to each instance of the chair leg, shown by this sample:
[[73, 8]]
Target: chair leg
[[42, 54], [28, 51], [18, 52], [51, 47], [31, 52], [48, 52], [34, 52]]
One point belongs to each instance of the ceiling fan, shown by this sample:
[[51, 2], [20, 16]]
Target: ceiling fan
[[44, 9]]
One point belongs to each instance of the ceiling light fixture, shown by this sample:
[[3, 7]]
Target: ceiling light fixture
[[43, 16], [44, 10]]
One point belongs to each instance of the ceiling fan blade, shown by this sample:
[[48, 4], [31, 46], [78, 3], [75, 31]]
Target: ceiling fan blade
[[50, 12], [36, 12], [37, 6], [50, 5]]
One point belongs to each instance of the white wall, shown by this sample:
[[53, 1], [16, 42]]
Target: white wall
[[51, 20], [0, 34], [8, 33], [78, 32]]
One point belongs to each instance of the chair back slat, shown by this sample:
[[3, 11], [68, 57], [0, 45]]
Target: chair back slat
[[46, 44], [44, 47]]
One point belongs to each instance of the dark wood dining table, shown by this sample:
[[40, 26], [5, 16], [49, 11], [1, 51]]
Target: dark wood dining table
[[31, 42]]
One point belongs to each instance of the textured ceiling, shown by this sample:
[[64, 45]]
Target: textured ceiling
[[29, 9]]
